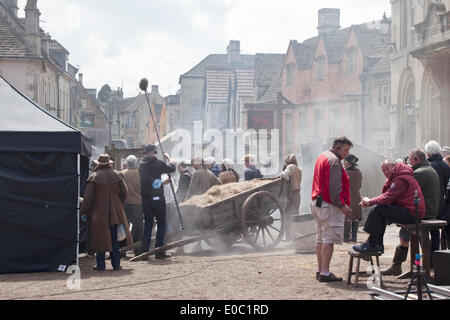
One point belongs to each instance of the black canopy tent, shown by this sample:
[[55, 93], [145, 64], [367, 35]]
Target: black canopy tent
[[39, 186]]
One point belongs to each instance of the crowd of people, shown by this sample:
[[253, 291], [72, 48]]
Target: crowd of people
[[123, 207], [133, 200], [336, 202]]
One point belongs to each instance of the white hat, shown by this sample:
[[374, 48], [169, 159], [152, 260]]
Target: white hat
[[210, 161], [228, 163]]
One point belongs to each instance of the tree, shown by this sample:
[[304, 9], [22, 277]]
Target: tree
[[105, 93]]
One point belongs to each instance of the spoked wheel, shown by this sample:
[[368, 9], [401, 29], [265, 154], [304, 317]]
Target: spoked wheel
[[263, 220]]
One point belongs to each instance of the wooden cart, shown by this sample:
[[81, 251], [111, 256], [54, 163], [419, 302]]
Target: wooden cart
[[257, 215]]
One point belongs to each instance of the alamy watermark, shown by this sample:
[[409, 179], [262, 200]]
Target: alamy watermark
[[262, 145]]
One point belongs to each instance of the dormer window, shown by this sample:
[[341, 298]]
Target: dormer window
[[320, 68], [290, 74], [352, 65]]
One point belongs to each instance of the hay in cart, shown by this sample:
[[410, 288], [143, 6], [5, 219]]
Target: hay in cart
[[222, 192]]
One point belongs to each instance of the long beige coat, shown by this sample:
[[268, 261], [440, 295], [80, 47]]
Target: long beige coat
[[201, 181], [103, 206]]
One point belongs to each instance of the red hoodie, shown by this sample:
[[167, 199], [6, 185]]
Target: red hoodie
[[399, 190]]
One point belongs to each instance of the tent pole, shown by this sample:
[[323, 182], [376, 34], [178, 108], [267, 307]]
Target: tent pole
[[78, 211]]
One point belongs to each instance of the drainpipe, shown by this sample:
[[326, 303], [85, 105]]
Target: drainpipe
[[58, 113]]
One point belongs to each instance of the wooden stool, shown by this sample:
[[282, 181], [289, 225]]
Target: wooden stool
[[424, 233], [365, 256]]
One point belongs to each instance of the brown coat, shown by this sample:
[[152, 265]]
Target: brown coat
[[228, 177], [103, 205], [201, 181], [133, 181], [355, 185]]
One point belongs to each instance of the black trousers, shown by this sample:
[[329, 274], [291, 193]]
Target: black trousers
[[136, 217], [381, 216]]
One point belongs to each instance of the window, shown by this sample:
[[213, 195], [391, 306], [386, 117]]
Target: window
[[130, 142], [196, 113], [385, 97], [352, 61], [334, 122], [288, 132], [320, 68], [411, 22], [290, 74], [350, 120], [302, 126], [318, 123], [380, 145], [87, 120], [129, 121]]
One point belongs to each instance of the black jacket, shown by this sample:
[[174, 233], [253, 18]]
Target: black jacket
[[150, 169], [443, 171], [252, 173], [183, 185]]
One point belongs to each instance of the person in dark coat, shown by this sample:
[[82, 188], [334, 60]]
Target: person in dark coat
[[428, 181], [183, 182], [153, 200], [252, 172], [433, 151], [355, 176], [103, 206]]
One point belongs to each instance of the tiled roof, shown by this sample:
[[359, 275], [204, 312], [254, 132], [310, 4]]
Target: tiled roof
[[267, 66], [218, 85], [11, 47], [219, 61], [271, 95], [245, 80], [371, 42]]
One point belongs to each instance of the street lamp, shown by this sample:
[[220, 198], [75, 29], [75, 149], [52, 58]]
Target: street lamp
[[385, 23]]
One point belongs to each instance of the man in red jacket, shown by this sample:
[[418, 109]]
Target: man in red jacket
[[330, 204], [394, 205]]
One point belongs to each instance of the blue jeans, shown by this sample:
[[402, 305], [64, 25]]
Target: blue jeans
[[115, 253], [154, 209]]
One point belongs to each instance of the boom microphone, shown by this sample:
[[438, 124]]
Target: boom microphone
[[143, 85]]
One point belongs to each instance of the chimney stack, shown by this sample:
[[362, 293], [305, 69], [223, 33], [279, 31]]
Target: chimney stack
[[155, 89], [80, 78], [32, 31], [329, 20], [234, 51]]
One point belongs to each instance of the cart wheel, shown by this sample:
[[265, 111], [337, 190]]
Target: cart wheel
[[263, 220]]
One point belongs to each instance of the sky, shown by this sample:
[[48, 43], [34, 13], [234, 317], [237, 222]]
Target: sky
[[119, 42]]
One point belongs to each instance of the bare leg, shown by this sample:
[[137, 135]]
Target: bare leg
[[327, 253], [319, 256]]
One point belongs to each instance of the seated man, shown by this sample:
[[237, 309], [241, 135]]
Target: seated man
[[428, 181], [394, 205]]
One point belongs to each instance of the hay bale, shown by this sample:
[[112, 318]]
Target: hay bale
[[221, 192]]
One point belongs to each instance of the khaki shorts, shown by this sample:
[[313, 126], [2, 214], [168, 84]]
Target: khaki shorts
[[329, 223]]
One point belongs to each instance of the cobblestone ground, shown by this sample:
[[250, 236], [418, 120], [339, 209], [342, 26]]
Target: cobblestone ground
[[240, 273]]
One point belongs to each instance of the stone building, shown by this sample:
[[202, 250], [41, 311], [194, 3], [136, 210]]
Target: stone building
[[331, 85], [89, 116], [420, 65], [33, 62], [136, 124], [216, 90]]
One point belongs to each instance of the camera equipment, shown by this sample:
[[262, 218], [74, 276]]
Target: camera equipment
[[418, 274], [143, 85], [406, 160], [319, 201]]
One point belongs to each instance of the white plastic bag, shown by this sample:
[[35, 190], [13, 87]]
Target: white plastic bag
[[121, 233]]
